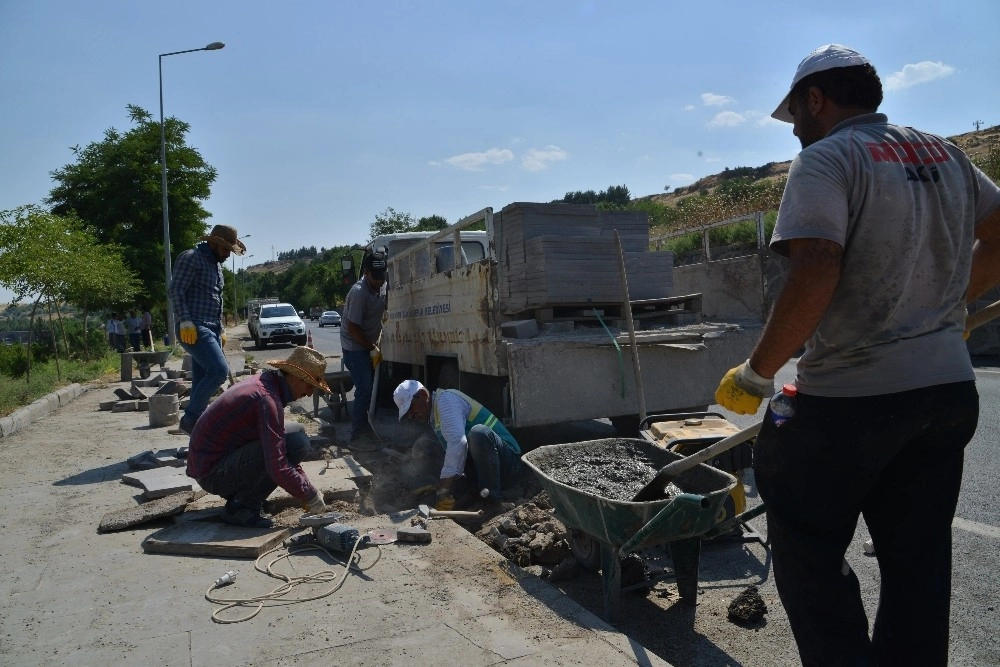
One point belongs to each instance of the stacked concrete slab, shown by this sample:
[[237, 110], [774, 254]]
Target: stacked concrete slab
[[565, 254]]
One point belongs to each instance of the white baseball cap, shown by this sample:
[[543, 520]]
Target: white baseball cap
[[403, 395], [826, 57]]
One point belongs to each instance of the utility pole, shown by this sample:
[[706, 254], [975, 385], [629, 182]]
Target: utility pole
[[977, 124]]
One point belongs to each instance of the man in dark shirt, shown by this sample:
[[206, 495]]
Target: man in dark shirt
[[195, 292], [241, 448]]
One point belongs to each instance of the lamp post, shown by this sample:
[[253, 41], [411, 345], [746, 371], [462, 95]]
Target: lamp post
[[214, 46], [236, 312], [243, 260]]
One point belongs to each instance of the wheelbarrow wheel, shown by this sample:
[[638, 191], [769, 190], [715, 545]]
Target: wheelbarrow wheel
[[144, 370], [586, 549]]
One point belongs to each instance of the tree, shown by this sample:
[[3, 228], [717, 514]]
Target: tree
[[54, 259], [391, 221], [431, 223], [115, 188]]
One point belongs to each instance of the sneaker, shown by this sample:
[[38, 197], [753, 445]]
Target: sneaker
[[236, 514]]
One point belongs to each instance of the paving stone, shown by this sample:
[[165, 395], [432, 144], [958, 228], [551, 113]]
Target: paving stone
[[332, 482], [154, 509], [126, 406], [159, 479], [142, 406], [136, 391], [123, 395], [519, 329], [108, 405], [355, 470], [209, 538], [168, 387]]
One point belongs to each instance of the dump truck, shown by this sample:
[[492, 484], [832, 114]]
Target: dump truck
[[530, 318]]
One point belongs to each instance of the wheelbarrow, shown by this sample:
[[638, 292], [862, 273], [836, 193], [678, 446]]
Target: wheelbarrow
[[144, 360], [340, 383], [622, 526]]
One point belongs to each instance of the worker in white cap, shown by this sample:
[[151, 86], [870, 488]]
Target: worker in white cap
[[473, 444], [889, 232]]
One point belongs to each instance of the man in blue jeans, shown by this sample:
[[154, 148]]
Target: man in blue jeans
[[471, 443], [196, 295], [364, 312]]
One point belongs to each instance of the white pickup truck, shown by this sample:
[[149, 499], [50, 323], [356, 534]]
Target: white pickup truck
[[529, 318]]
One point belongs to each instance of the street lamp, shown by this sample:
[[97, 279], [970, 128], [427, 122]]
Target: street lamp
[[214, 46], [236, 312], [243, 260]]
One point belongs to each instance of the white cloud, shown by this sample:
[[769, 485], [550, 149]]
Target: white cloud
[[689, 107], [475, 161], [921, 72], [713, 100], [495, 188], [726, 119], [681, 179], [538, 159]]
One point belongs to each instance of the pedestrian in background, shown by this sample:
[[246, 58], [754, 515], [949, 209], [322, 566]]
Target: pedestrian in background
[[364, 310], [146, 328], [134, 328], [889, 232], [196, 294]]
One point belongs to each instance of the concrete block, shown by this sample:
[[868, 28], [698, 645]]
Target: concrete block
[[108, 405], [154, 509], [69, 393], [167, 387], [123, 394], [186, 364], [126, 406], [151, 381], [38, 410], [136, 391], [142, 406], [519, 329], [331, 482], [352, 468], [6, 427], [141, 478], [207, 538]]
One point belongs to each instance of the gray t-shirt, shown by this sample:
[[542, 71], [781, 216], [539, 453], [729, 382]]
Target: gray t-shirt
[[904, 205], [365, 308]]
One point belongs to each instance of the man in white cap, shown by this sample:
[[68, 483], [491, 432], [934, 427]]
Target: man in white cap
[[196, 289], [242, 449], [889, 232], [471, 441]]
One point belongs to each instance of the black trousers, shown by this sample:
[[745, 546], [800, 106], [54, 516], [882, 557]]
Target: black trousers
[[897, 460]]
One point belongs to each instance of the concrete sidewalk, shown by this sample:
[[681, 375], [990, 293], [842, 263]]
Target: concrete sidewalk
[[73, 596]]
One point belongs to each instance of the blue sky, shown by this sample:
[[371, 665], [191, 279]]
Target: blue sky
[[320, 114]]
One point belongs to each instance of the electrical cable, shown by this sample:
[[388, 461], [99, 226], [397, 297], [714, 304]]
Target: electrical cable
[[276, 597]]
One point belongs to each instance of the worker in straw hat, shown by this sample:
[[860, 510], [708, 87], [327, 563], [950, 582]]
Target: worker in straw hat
[[196, 290], [241, 448]]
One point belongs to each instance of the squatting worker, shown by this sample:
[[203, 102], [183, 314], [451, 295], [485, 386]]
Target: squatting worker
[[360, 331], [196, 295], [889, 232], [470, 442], [241, 448]]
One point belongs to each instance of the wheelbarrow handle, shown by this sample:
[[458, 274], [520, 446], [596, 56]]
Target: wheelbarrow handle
[[684, 502]]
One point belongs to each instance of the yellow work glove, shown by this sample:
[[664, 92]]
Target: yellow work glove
[[222, 338], [742, 389], [444, 502], [376, 355], [189, 332]]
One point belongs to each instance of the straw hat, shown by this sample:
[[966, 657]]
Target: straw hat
[[306, 364], [225, 235]]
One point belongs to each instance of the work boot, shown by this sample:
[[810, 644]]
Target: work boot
[[186, 425], [236, 514]]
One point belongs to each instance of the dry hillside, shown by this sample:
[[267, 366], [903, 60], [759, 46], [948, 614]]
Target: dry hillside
[[976, 144]]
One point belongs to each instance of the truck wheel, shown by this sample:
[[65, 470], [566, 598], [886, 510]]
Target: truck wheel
[[586, 549]]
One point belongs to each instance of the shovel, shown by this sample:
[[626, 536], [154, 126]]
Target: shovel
[[430, 513], [668, 473]]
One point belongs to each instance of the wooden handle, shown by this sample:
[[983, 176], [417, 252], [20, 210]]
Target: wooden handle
[[454, 513], [982, 316]]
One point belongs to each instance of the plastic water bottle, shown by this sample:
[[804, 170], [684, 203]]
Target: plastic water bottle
[[782, 405]]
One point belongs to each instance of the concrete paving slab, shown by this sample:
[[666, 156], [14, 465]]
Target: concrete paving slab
[[139, 514], [335, 483], [197, 538], [139, 478], [126, 406], [355, 470], [123, 395]]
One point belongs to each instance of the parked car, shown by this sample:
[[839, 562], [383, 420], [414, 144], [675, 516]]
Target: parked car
[[279, 323], [330, 317]]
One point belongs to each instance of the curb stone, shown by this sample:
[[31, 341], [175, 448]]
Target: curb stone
[[43, 407]]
